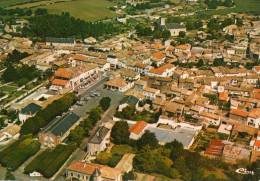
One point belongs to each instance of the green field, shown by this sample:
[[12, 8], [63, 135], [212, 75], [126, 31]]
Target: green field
[[82, 9], [241, 6]]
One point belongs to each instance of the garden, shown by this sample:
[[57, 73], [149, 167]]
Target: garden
[[17, 153], [50, 161]]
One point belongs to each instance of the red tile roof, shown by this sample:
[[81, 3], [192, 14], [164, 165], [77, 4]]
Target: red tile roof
[[161, 69], [215, 148], [89, 168], [239, 112], [158, 56], [59, 82], [254, 113], [61, 72], [138, 127], [257, 143], [117, 82]]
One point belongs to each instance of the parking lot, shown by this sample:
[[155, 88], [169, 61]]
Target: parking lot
[[90, 99]]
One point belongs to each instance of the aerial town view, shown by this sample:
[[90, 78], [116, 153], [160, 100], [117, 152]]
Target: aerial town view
[[130, 90]]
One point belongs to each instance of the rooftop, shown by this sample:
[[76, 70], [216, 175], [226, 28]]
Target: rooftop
[[181, 134], [30, 109], [59, 126], [99, 135]]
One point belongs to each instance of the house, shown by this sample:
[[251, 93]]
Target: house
[[28, 111], [113, 60], [128, 101], [256, 69], [118, 84], [173, 108], [129, 75], [10, 132], [58, 130], [142, 68], [60, 42], [151, 93], [137, 130], [254, 118], [158, 58], [175, 28], [183, 48], [140, 85], [82, 171], [210, 118], [256, 146], [165, 70], [99, 141], [239, 114], [73, 78]]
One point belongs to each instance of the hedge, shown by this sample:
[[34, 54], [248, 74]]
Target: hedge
[[44, 116], [18, 152], [50, 161]]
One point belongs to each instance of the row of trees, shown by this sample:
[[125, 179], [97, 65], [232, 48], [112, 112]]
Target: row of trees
[[20, 74], [86, 125], [146, 31], [44, 116], [213, 4], [65, 26]]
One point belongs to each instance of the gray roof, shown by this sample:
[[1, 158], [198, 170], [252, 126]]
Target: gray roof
[[59, 126], [99, 135], [60, 40], [30, 109], [183, 135], [174, 26], [130, 100]]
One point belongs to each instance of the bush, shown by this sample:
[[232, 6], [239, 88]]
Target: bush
[[17, 153], [50, 161]]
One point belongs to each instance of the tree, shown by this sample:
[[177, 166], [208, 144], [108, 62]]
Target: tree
[[94, 115], [219, 62], [105, 103], [200, 63], [148, 139], [182, 34], [40, 11], [129, 176], [9, 176], [120, 133], [166, 34], [176, 148]]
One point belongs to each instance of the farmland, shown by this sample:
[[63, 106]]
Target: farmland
[[82, 9]]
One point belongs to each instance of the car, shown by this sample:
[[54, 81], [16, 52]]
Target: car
[[79, 104]]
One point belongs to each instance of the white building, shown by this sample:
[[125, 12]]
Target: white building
[[99, 141]]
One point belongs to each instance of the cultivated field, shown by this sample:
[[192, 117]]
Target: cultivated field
[[83, 9]]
